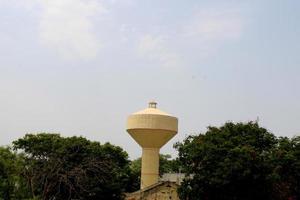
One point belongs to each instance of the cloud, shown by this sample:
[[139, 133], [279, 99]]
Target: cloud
[[154, 48], [214, 25], [197, 37], [67, 28]]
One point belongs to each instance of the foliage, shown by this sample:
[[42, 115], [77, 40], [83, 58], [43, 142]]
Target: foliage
[[285, 160], [239, 161], [12, 185], [135, 175], [168, 165], [73, 167]]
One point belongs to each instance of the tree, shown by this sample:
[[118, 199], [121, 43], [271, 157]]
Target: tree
[[73, 167], [168, 165], [285, 160], [12, 185], [230, 162]]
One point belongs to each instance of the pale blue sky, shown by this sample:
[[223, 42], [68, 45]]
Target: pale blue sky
[[80, 67]]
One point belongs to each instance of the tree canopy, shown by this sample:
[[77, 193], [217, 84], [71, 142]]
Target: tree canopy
[[12, 184], [73, 167], [239, 161]]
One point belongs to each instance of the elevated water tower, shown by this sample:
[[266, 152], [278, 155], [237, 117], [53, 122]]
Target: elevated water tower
[[151, 128]]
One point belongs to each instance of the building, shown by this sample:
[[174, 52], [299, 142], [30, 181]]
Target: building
[[163, 190]]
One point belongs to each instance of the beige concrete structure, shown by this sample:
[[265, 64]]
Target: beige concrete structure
[[159, 191], [151, 128]]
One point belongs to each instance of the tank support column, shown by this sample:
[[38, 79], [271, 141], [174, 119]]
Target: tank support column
[[150, 167]]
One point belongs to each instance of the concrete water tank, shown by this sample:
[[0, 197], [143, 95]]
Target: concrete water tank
[[151, 128]]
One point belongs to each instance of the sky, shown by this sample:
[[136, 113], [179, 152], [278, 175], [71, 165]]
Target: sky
[[80, 67]]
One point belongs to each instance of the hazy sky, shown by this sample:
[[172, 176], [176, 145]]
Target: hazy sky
[[80, 67]]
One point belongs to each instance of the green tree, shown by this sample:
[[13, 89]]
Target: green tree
[[73, 167], [168, 165], [285, 160], [12, 185], [230, 162]]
